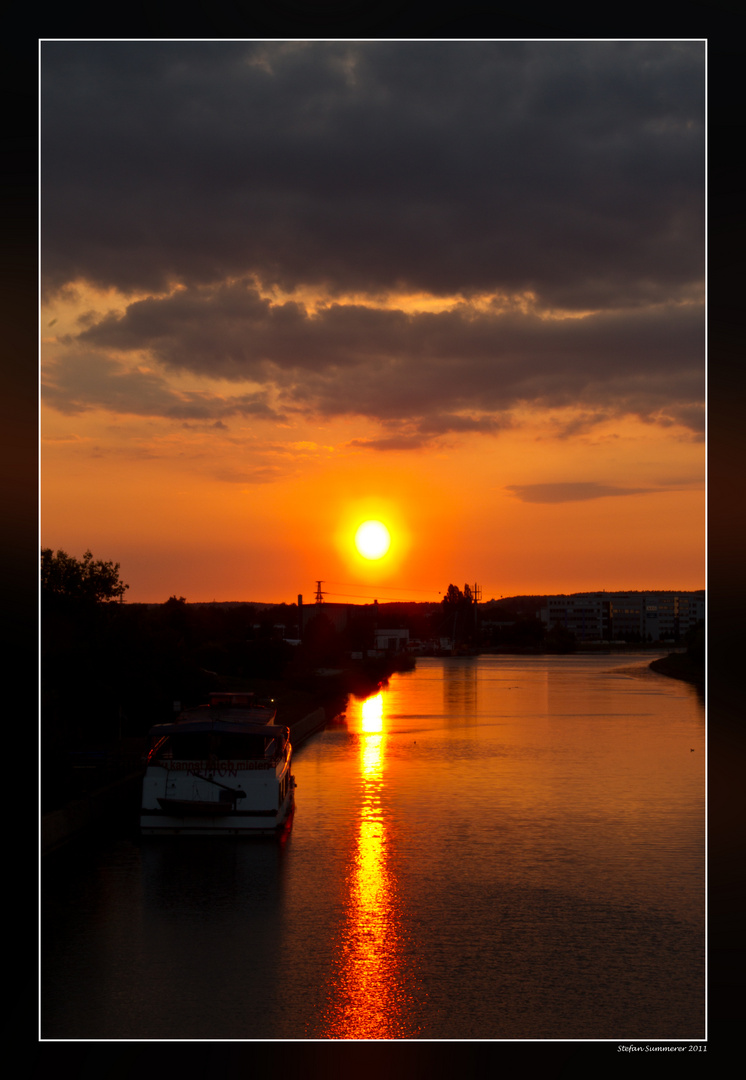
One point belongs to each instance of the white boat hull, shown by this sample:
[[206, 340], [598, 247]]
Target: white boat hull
[[168, 822], [221, 769]]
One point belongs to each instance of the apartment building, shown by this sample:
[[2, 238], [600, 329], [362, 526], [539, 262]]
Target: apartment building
[[623, 616], [582, 614]]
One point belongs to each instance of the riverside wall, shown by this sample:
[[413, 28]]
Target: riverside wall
[[307, 726]]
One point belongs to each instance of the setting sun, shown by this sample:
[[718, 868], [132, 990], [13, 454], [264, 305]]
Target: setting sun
[[372, 540]]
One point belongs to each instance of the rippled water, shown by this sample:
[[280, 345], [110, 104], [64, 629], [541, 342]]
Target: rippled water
[[494, 848]]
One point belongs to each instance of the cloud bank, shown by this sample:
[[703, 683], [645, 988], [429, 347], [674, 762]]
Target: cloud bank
[[579, 491], [551, 194]]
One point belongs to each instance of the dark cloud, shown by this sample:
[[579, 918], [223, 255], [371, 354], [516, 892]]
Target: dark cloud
[[571, 492], [550, 176], [570, 169], [82, 381], [393, 442], [464, 369]]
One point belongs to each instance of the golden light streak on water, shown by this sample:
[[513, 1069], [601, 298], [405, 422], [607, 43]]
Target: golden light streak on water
[[367, 995], [372, 714]]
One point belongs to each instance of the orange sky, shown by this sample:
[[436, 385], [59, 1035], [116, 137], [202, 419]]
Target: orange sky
[[330, 316], [257, 512]]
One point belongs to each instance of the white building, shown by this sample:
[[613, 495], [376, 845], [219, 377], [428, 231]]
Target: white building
[[391, 640]]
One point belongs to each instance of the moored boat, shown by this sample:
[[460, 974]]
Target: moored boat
[[222, 768]]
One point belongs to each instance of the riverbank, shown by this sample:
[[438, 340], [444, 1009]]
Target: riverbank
[[361, 677], [680, 666]]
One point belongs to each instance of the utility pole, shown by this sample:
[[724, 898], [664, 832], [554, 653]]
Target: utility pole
[[319, 594], [477, 594]]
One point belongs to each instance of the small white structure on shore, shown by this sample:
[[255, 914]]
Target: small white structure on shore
[[391, 640]]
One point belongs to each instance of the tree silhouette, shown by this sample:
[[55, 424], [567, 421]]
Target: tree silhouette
[[86, 580], [458, 608]]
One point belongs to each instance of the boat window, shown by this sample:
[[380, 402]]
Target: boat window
[[192, 746], [236, 746]]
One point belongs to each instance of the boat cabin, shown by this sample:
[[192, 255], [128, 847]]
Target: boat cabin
[[217, 741]]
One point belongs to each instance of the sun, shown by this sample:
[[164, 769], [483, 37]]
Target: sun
[[372, 539]]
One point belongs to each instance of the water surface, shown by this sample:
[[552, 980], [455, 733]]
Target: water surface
[[493, 848]]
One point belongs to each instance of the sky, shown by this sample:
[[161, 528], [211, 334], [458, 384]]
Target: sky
[[457, 287]]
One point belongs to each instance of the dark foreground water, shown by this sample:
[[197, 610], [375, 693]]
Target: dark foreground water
[[495, 848]]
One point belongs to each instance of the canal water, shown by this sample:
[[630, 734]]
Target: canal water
[[493, 848]]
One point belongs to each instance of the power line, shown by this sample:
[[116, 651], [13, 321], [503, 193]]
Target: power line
[[476, 593]]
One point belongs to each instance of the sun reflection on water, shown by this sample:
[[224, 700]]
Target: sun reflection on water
[[368, 995]]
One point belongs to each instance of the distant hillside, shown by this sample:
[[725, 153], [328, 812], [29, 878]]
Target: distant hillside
[[522, 605]]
